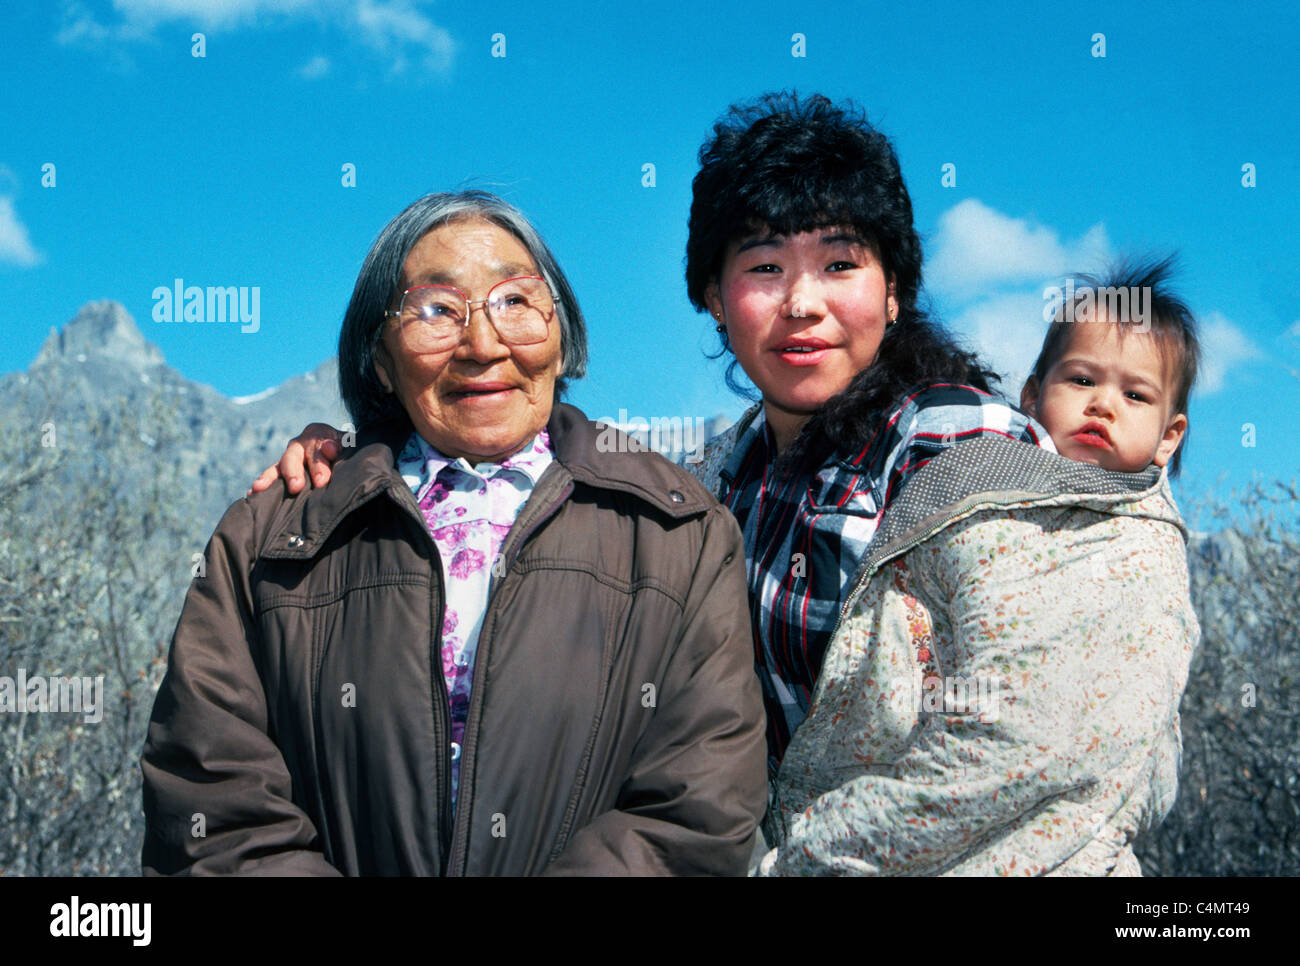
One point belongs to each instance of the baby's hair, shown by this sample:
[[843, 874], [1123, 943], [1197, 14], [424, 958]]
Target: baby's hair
[[1171, 322]]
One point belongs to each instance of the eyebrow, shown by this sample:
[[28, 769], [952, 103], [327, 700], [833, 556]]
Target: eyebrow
[[774, 241], [843, 238], [760, 241]]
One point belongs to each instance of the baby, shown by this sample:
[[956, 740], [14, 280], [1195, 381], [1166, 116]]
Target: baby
[[1117, 365]]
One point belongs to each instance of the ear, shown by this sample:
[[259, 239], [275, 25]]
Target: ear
[[1029, 397], [382, 365], [891, 300], [559, 351], [713, 299], [1170, 441]]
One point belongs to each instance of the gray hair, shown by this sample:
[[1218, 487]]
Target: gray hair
[[381, 275]]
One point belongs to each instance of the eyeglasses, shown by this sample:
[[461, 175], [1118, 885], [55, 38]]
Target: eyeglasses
[[431, 317]]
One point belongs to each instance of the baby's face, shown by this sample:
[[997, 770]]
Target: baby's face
[[1109, 402]]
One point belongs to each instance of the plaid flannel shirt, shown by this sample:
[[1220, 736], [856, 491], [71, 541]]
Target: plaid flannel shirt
[[805, 534]]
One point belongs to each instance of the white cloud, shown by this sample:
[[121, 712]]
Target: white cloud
[[979, 249], [79, 28], [209, 14], [315, 68], [15, 245], [1223, 346], [993, 269], [1006, 331], [1294, 331], [397, 30], [392, 27]]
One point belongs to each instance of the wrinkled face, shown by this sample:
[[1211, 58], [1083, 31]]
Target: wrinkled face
[[1109, 401], [804, 314], [481, 399]]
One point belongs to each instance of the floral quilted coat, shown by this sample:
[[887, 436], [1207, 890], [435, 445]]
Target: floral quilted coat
[[1001, 693]]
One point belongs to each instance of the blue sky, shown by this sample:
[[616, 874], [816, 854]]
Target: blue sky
[[226, 169]]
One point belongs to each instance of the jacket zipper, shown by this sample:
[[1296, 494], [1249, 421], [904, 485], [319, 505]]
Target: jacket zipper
[[441, 702], [459, 856]]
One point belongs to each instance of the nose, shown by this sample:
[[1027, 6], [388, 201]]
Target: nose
[[803, 298], [479, 340], [1101, 403]]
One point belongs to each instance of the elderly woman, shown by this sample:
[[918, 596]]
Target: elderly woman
[[489, 647], [944, 693]]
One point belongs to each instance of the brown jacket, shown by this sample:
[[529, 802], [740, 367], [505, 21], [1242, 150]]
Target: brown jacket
[[615, 723]]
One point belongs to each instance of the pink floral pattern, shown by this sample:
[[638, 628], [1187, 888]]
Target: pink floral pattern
[[468, 510]]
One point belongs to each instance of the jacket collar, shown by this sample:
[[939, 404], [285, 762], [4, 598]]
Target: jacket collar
[[603, 457], [994, 473], [423, 462], [744, 431], [592, 454]]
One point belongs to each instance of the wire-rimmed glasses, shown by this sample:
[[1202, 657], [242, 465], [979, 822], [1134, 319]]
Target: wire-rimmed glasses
[[431, 317]]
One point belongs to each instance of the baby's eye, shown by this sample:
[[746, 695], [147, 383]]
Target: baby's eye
[[1136, 396], [1081, 380]]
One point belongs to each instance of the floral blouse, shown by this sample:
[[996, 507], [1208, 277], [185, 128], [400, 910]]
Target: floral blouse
[[468, 510]]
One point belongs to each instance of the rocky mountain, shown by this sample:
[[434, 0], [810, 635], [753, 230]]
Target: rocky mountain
[[104, 330], [99, 367]]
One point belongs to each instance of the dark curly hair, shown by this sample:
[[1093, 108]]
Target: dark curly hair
[[789, 165]]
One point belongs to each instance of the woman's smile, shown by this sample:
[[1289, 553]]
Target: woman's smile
[[486, 392], [802, 351], [804, 314]]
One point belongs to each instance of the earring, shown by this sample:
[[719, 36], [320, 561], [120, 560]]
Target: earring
[[720, 328]]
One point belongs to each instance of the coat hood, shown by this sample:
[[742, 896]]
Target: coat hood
[[990, 473]]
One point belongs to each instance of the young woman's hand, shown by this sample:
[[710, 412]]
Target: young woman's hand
[[308, 456]]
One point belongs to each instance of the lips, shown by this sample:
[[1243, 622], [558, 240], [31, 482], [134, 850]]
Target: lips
[[802, 351], [802, 345], [480, 390], [1093, 434]]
